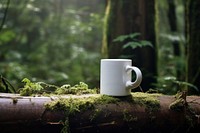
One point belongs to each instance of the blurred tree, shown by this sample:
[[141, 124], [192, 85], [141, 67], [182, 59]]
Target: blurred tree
[[172, 18], [193, 42], [52, 42], [171, 45], [127, 17]]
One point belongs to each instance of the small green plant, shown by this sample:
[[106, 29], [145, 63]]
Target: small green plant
[[183, 84], [132, 41], [170, 85], [30, 88]]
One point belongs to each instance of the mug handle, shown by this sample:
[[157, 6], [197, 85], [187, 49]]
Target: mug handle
[[138, 80]]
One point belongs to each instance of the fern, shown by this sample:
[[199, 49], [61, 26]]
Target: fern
[[132, 41]]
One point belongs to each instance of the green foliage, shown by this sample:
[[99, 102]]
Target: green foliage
[[132, 41], [183, 85], [49, 43], [171, 67], [170, 85], [124, 37], [6, 36], [6, 86], [73, 105]]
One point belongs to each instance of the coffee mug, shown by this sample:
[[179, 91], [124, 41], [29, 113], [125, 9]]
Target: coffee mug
[[115, 77]]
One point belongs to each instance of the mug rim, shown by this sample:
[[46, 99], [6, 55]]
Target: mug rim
[[116, 60]]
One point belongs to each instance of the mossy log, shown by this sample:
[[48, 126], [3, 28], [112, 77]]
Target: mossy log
[[138, 113]]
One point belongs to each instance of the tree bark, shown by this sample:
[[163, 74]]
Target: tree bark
[[127, 17], [193, 42], [173, 27], [28, 114]]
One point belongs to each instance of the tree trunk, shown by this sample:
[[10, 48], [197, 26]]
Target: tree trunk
[[139, 113], [173, 27], [127, 17], [193, 42]]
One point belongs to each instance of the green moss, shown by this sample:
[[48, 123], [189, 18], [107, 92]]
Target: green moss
[[180, 103], [150, 101], [95, 114], [129, 117], [104, 49], [77, 104], [71, 106], [40, 88], [78, 89], [66, 128], [177, 105]]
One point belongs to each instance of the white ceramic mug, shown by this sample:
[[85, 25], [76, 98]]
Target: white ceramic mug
[[115, 77]]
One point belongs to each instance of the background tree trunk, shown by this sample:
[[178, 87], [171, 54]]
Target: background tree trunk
[[174, 29], [193, 42], [126, 17]]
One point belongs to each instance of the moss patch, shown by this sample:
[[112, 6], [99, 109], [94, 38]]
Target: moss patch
[[129, 117], [40, 88], [150, 101], [180, 103], [71, 106]]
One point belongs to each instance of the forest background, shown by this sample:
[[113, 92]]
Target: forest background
[[62, 41]]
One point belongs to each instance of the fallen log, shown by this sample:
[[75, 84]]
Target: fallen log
[[139, 113]]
